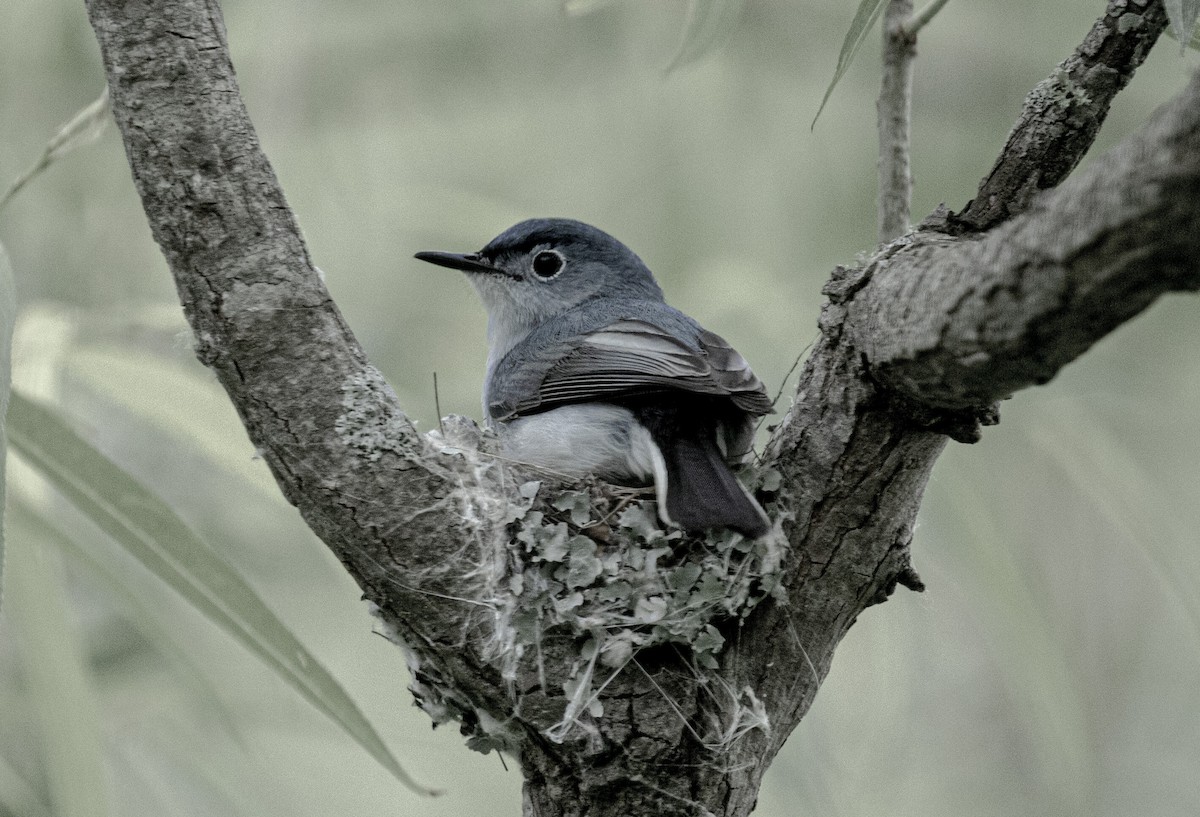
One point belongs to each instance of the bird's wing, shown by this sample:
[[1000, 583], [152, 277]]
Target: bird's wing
[[629, 358]]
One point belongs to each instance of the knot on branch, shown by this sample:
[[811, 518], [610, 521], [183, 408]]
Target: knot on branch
[[963, 425], [862, 325]]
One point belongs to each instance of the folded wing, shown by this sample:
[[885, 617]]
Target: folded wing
[[633, 358]]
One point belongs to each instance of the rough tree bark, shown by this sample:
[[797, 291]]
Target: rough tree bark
[[916, 345]]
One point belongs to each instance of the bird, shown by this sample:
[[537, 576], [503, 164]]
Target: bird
[[591, 372]]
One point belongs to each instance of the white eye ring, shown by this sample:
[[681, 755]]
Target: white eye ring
[[547, 264]]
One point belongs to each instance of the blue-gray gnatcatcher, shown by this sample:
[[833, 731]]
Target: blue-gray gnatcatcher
[[590, 372]]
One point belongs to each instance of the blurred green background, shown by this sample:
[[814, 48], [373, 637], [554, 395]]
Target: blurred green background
[[1053, 665]]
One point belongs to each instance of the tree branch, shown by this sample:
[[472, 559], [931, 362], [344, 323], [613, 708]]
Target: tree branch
[[960, 324], [323, 418], [1063, 114], [894, 111], [432, 530]]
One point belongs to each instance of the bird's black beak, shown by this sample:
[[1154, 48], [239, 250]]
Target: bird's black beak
[[467, 262]]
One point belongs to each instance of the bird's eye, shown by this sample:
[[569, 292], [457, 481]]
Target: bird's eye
[[547, 264]]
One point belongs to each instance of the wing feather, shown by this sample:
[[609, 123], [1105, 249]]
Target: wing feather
[[629, 358]]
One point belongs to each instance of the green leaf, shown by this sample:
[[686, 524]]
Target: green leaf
[[1031, 654], [145, 526], [864, 19], [186, 402], [709, 23], [709, 640], [83, 129], [564, 605], [770, 480], [484, 744], [1193, 42], [584, 567], [17, 795], [711, 589], [617, 591], [171, 642], [617, 650], [58, 684], [577, 503], [683, 577], [642, 521], [1183, 14], [552, 542], [1117, 487], [650, 610], [8, 318], [578, 8]]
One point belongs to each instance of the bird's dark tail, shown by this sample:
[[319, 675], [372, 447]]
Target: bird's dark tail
[[701, 491]]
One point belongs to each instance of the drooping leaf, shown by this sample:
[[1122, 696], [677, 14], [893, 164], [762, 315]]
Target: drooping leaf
[[58, 684], [1182, 14], [83, 128], [17, 795], [144, 525], [1193, 42], [864, 19], [1035, 665], [578, 8], [169, 641], [1117, 487], [8, 319], [708, 23], [185, 403]]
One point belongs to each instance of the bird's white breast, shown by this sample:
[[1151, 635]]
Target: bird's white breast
[[591, 438]]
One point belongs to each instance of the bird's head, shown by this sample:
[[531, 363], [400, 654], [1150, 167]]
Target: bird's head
[[542, 267]]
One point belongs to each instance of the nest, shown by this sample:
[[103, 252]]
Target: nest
[[591, 563]]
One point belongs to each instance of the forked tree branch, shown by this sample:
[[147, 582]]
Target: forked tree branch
[[911, 347], [956, 324]]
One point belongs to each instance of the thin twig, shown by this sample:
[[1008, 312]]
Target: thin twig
[[85, 127], [895, 114], [437, 406], [919, 20], [783, 383]]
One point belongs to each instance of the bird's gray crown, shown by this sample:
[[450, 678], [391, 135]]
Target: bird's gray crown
[[602, 263], [558, 232]]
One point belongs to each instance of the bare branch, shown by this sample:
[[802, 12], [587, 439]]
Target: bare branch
[[956, 324], [323, 418], [895, 115], [1063, 114]]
